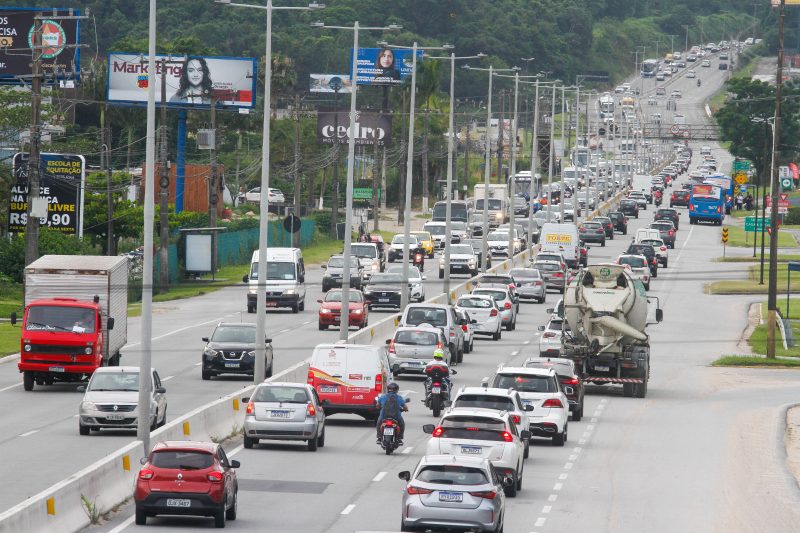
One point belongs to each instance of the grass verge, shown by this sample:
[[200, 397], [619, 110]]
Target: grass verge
[[738, 238], [741, 360], [9, 339], [781, 259]]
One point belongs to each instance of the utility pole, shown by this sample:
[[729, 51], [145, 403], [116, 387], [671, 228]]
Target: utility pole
[[772, 292], [163, 213], [658, 42], [375, 168], [335, 204], [672, 43], [109, 181], [213, 187], [425, 170], [500, 124], [32, 223], [297, 187], [686, 47]]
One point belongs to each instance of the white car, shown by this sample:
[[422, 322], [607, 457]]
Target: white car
[[462, 261], [481, 433], [396, 247], [540, 388], [484, 310], [662, 253], [691, 73], [550, 337], [505, 302], [468, 327], [636, 265], [619, 89], [415, 278], [706, 63], [640, 198], [275, 196], [497, 242]]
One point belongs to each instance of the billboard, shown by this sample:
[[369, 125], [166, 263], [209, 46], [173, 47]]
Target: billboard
[[383, 66], [323, 83], [191, 81], [61, 180], [371, 127], [16, 40]]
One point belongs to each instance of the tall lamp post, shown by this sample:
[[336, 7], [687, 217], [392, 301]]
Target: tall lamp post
[[261, 292], [449, 187], [344, 320]]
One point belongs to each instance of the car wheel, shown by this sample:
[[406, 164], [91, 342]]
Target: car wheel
[[323, 327], [460, 356], [249, 442], [577, 415], [141, 518], [325, 288], [666, 262], [497, 335], [83, 430], [295, 308], [519, 481], [647, 286], [527, 450], [561, 438], [441, 274], [404, 527], [154, 423], [472, 343], [312, 444], [321, 438], [230, 514], [207, 374], [603, 244], [219, 517], [511, 491]]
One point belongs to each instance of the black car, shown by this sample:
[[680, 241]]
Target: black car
[[592, 232], [629, 207], [669, 214], [608, 226], [680, 197], [571, 383], [385, 290], [620, 221], [231, 350], [666, 230], [647, 251]]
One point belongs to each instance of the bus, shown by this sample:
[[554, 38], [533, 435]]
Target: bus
[[649, 68], [605, 106], [521, 184], [706, 203], [726, 184]]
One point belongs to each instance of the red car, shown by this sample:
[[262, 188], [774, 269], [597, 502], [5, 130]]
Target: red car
[[679, 198], [187, 478], [331, 309]]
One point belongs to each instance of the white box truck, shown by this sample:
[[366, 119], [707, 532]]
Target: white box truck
[[562, 238], [498, 201]]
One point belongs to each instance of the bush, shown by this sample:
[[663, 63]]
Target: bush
[[51, 242], [322, 220], [793, 216]]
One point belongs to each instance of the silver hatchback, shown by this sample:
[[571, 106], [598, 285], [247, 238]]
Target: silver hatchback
[[284, 411], [530, 284], [446, 491]]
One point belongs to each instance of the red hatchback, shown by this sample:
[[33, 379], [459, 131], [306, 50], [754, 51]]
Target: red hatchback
[[187, 478], [330, 310]]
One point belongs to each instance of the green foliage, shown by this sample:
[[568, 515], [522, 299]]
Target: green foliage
[[187, 219], [51, 242]]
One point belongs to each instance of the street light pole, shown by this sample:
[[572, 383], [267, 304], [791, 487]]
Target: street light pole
[[513, 139], [486, 175], [409, 171], [551, 154], [534, 163]]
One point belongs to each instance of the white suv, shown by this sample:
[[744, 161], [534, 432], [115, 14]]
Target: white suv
[[481, 433], [540, 388]]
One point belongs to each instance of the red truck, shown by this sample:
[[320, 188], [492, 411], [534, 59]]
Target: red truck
[[75, 318]]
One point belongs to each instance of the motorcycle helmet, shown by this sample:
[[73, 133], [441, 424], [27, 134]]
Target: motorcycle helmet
[[438, 354], [393, 387]]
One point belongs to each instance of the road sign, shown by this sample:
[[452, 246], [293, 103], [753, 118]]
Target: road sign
[[675, 129], [364, 193], [741, 166], [292, 223], [755, 224], [741, 178], [786, 184], [724, 235]]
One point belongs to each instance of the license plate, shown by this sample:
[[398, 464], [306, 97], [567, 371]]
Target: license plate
[[328, 389], [231, 365], [450, 496], [527, 402], [416, 363], [56, 369], [114, 417], [471, 450], [601, 368], [174, 502], [436, 390], [280, 414], [272, 304], [383, 300], [388, 431]]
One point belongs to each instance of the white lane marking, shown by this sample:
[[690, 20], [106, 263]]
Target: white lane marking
[[586, 434], [683, 247], [75, 416], [307, 322], [284, 330], [594, 419], [581, 441], [198, 364], [558, 486], [526, 343], [540, 521], [590, 427], [167, 378], [604, 400], [515, 353], [178, 331], [348, 509], [408, 450], [552, 497], [563, 476], [379, 476], [29, 433], [124, 525], [235, 450], [568, 466], [573, 457], [546, 509], [10, 387], [577, 449]]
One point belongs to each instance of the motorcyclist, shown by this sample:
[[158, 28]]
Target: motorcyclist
[[392, 406], [437, 369], [657, 196], [698, 82]]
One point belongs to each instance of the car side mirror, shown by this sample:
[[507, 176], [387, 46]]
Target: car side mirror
[[13, 319], [424, 278], [659, 315], [204, 339], [267, 341], [324, 267], [549, 311], [428, 428], [161, 390], [302, 278], [235, 464], [143, 461], [82, 388], [110, 323], [541, 328], [246, 399], [405, 475], [245, 279], [319, 301], [525, 434], [326, 402], [528, 407], [473, 321]]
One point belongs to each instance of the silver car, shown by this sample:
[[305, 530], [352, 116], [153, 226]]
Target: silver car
[[530, 284], [483, 310], [504, 301], [284, 411], [411, 348], [553, 273], [111, 400], [446, 491]]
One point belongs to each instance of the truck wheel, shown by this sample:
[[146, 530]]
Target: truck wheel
[[27, 381], [83, 430], [640, 389], [295, 308], [627, 390], [251, 309]]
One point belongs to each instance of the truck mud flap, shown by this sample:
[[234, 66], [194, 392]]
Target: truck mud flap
[[594, 379]]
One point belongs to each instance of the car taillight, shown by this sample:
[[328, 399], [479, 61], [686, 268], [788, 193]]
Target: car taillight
[[672, 232], [215, 477], [486, 494], [719, 209], [507, 305], [511, 286], [553, 402], [146, 473], [418, 490], [508, 437], [570, 381], [439, 345], [691, 207], [391, 347], [464, 327], [388, 423], [538, 283], [437, 432], [558, 274], [516, 419], [493, 312], [311, 410], [311, 378], [378, 382], [251, 408], [663, 248], [548, 335]]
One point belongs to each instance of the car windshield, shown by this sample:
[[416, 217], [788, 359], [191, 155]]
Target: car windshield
[[497, 236], [60, 318], [592, 225], [452, 475], [627, 202], [473, 428], [525, 383], [338, 262], [281, 394], [336, 296], [498, 296], [652, 242], [435, 230], [495, 204], [243, 334], [464, 249], [401, 239], [422, 236], [114, 381], [427, 315], [385, 279], [276, 270], [633, 261], [413, 272], [547, 267], [665, 212], [182, 460], [474, 303], [661, 227], [641, 249], [364, 250], [562, 369], [416, 338], [555, 325], [485, 401], [524, 273]]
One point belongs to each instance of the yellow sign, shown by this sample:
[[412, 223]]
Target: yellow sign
[[724, 235], [741, 178], [558, 238]]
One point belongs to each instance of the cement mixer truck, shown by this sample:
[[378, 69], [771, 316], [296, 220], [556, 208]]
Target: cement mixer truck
[[607, 312]]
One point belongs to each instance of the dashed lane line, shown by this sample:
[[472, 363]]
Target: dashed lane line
[[379, 476], [348, 509], [29, 433]]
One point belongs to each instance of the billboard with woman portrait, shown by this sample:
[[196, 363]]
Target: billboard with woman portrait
[[384, 66]]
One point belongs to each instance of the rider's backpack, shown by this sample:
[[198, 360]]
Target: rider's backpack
[[391, 408]]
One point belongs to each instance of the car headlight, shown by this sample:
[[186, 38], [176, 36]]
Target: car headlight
[[367, 290], [210, 352], [252, 291], [324, 311], [376, 265], [356, 311], [471, 263], [88, 406], [252, 353], [498, 216], [289, 291], [28, 347]]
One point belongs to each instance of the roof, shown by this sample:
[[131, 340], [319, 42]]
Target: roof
[[115, 369], [209, 447], [474, 411], [454, 460], [77, 262], [236, 324], [284, 384], [527, 371], [488, 391]]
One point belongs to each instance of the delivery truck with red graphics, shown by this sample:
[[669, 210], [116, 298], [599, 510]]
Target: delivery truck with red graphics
[[75, 317]]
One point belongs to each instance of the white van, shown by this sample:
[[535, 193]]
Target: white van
[[560, 238], [349, 377], [643, 183], [286, 277], [643, 234]]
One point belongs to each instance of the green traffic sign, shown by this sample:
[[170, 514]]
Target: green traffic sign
[[364, 193], [743, 166], [754, 224]]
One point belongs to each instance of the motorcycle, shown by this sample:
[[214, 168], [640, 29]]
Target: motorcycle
[[419, 258], [437, 392], [390, 438], [658, 200]]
